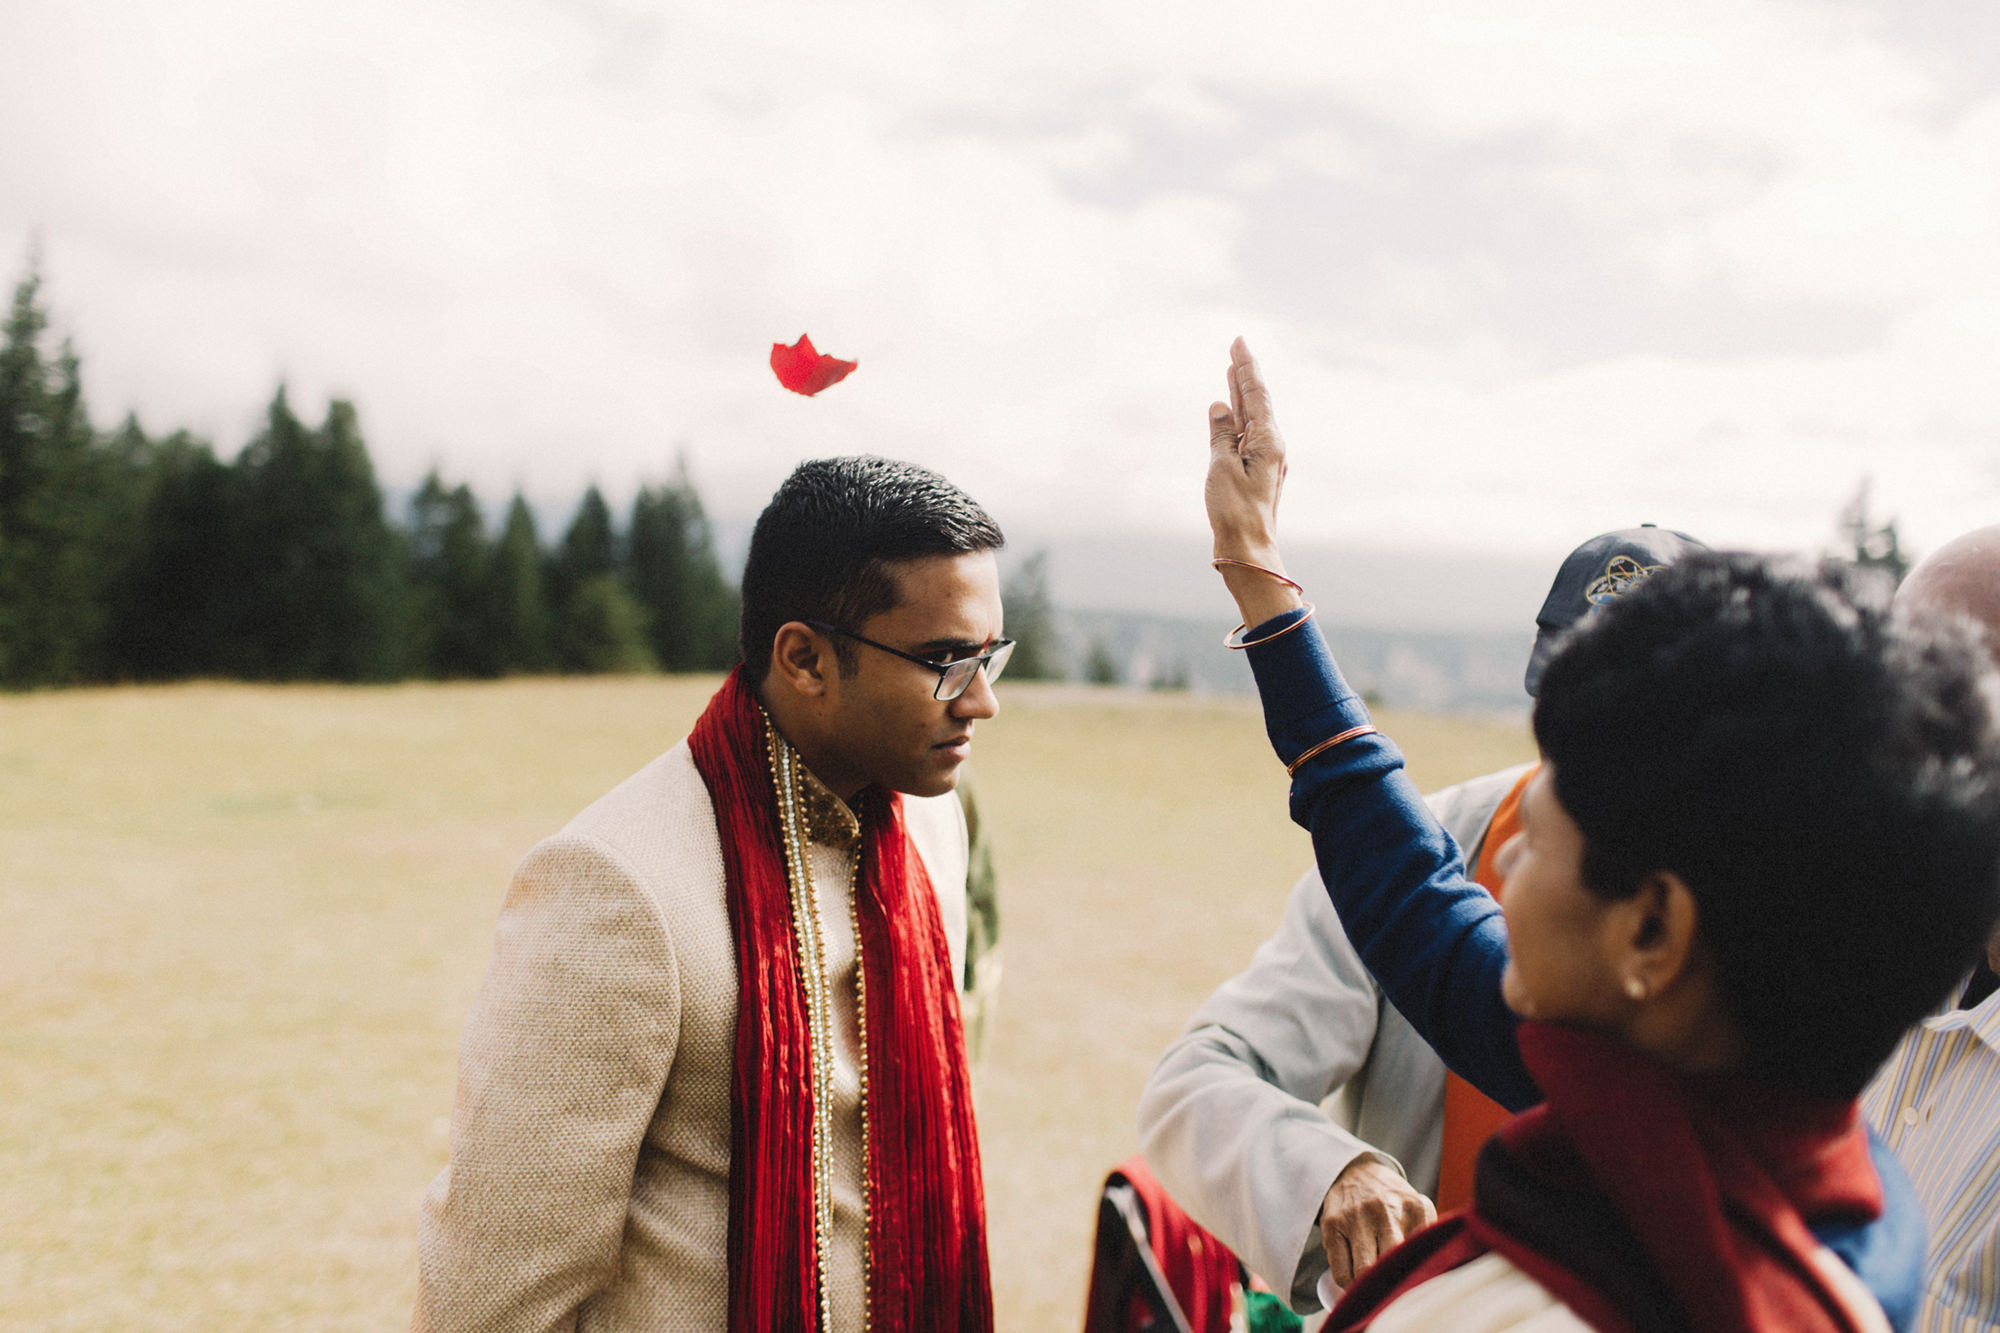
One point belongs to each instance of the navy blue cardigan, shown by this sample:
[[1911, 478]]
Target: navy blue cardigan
[[1436, 942]]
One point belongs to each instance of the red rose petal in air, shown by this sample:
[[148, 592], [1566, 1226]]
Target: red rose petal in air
[[804, 369]]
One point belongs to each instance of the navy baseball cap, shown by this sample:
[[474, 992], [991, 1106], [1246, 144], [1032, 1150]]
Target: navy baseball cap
[[1601, 570]]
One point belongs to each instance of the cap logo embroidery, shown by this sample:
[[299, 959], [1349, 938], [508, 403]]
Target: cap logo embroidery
[[1620, 576]]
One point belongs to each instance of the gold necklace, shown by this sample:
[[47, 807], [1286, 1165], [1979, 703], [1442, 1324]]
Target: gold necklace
[[810, 936], [861, 1051]]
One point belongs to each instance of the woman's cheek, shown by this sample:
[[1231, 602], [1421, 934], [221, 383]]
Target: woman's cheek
[[1514, 992]]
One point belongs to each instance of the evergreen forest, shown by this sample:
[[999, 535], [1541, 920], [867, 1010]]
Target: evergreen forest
[[126, 556]]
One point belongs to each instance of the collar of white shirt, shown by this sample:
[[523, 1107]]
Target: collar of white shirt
[[1981, 1021]]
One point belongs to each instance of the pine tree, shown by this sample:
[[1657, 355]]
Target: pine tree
[[64, 504], [603, 629], [366, 593], [325, 596], [1100, 667], [452, 629], [275, 634], [590, 546], [1031, 621], [23, 428], [598, 626], [691, 610], [1872, 546], [179, 610], [515, 592]]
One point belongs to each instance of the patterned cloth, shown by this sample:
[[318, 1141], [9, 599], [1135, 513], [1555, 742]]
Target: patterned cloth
[[1937, 1102]]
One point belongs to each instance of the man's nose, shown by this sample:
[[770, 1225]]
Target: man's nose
[[978, 701]]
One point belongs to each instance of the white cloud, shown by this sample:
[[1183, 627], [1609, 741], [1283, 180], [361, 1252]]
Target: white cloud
[[1573, 259]]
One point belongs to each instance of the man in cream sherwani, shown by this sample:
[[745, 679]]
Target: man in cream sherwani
[[758, 893]]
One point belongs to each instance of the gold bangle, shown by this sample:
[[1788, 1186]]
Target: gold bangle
[[1221, 560], [1229, 639], [1325, 745]]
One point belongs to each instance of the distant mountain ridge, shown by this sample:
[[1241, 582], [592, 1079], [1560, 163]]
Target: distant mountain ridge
[[1438, 673], [1439, 630], [1423, 589]]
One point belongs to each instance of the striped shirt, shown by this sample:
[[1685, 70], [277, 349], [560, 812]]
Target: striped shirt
[[1937, 1102]]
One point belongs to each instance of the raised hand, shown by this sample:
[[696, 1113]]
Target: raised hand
[[1246, 474]]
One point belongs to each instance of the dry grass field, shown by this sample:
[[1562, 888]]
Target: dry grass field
[[240, 927]]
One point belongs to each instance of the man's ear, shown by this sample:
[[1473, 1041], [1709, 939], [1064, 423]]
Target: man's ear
[[1660, 927], [802, 660]]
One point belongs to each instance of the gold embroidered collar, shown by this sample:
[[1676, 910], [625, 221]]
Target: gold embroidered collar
[[828, 818]]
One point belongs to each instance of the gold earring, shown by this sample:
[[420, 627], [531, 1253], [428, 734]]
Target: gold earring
[[1635, 988]]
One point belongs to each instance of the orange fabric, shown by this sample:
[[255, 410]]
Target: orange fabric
[[1471, 1117]]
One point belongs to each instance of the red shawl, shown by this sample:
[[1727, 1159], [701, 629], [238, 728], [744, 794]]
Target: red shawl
[[1645, 1201], [927, 1233]]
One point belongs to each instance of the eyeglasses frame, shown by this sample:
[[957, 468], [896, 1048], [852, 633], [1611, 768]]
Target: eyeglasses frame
[[1001, 648]]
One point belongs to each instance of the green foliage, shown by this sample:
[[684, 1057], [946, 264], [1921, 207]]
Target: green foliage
[[65, 509], [1870, 545], [590, 547], [1031, 621], [603, 629], [588, 555], [325, 596], [178, 612], [124, 557], [1100, 667], [671, 569], [454, 615], [516, 594], [981, 990]]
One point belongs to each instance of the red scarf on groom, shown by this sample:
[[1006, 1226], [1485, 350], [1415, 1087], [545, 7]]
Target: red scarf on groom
[[926, 1208]]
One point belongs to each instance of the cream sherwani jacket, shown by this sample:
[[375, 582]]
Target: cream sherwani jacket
[[588, 1187]]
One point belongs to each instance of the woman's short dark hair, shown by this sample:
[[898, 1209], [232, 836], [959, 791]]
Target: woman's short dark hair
[[822, 547], [1822, 774]]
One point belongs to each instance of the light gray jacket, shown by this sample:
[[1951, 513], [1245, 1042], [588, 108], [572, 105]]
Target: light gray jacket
[[1291, 1070]]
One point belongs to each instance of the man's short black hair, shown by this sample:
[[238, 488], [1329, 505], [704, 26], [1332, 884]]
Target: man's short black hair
[[822, 547], [1822, 774]]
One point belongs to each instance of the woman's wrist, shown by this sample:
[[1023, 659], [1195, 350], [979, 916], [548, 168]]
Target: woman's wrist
[[1255, 576]]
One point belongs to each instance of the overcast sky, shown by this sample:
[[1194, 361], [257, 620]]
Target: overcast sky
[[1519, 269]]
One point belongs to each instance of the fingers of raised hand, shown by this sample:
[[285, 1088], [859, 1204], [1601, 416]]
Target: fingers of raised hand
[[1250, 396], [1223, 436], [1250, 411]]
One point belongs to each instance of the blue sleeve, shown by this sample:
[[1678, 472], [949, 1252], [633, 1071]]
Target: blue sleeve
[[1433, 939], [1888, 1253]]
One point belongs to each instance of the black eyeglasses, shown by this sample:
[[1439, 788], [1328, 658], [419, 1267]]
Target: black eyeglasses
[[953, 677]]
